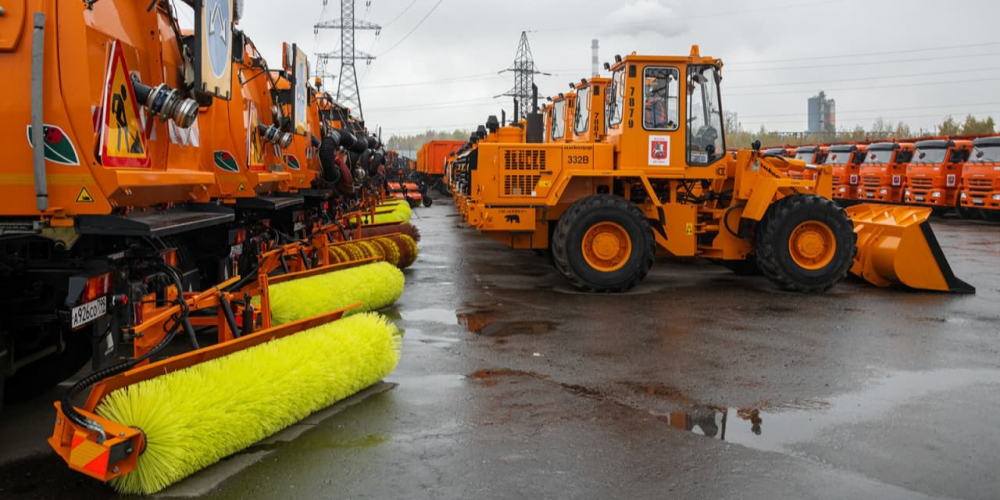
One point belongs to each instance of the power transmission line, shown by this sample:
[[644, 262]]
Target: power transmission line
[[871, 87], [414, 28], [869, 54], [864, 79]]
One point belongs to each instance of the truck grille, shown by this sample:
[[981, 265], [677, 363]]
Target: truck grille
[[980, 184], [874, 181], [921, 183]]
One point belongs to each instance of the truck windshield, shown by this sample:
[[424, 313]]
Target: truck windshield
[[931, 155], [806, 157], [838, 158], [985, 154], [582, 110], [879, 156], [558, 120], [705, 142]]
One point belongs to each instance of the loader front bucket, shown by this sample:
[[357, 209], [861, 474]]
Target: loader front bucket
[[897, 245]]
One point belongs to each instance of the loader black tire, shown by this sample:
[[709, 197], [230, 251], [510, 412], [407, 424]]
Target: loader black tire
[[774, 248], [428, 201], [603, 210], [990, 215]]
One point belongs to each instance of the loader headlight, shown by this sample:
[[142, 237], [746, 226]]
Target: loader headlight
[[167, 103]]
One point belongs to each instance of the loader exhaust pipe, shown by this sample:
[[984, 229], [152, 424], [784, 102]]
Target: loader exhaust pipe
[[534, 132]]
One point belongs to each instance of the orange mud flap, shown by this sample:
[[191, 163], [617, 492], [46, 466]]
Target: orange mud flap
[[897, 245]]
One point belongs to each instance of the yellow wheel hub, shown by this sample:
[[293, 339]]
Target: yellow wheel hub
[[606, 246], [812, 245]]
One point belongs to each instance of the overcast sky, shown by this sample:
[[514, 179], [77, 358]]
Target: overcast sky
[[914, 61]]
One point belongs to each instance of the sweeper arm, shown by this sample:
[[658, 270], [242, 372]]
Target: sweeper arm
[[87, 451], [896, 245]]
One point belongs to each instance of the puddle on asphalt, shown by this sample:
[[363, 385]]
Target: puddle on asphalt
[[435, 340], [487, 323], [778, 426], [443, 316]]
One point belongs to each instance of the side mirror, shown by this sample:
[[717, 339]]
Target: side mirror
[[755, 146], [922, 155]]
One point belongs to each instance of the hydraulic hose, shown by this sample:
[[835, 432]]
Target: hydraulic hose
[[328, 159]]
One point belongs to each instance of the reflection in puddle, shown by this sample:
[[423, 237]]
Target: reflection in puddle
[[487, 324], [443, 316], [776, 427]]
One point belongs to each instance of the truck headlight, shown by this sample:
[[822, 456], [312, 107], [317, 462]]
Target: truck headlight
[[996, 197], [884, 191], [843, 190], [963, 196], [907, 192], [936, 194]]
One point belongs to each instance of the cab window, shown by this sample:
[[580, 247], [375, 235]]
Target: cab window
[[558, 120], [582, 110], [705, 143], [616, 98], [660, 99]]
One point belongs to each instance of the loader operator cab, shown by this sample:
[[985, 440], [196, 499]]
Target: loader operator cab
[[666, 111], [562, 110], [588, 124]]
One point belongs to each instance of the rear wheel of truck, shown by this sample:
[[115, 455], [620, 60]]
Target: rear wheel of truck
[[990, 215], [603, 243], [31, 380], [963, 212], [805, 243]]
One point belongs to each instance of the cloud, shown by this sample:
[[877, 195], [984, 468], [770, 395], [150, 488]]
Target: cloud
[[643, 16]]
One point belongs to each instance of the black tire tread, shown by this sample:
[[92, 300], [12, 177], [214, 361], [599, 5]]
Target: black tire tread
[[768, 242], [561, 235]]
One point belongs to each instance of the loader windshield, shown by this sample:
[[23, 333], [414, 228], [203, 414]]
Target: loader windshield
[[558, 120], [660, 99], [582, 110], [985, 154], [705, 143], [931, 155]]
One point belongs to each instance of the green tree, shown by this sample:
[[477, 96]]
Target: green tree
[[972, 126], [948, 127]]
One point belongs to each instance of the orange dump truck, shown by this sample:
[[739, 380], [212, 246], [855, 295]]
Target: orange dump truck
[[934, 177], [883, 173], [845, 160], [981, 178], [812, 155], [431, 159]]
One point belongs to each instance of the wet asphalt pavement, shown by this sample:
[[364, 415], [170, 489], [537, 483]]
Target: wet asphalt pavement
[[698, 384]]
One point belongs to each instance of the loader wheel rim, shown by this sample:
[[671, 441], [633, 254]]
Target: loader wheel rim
[[812, 245], [606, 246]]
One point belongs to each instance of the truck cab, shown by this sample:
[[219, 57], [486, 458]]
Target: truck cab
[[812, 155], [981, 178], [934, 177], [883, 173], [845, 160]]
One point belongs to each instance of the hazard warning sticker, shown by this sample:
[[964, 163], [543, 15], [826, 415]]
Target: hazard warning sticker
[[123, 139], [255, 143], [84, 196]]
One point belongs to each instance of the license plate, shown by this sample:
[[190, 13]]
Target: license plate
[[90, 311], [919, 198], [870, 195], [977, 202]]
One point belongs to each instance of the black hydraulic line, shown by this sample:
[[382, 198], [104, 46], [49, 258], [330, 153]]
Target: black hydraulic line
[[305, 260], [248, 314], [284, 264], [725, 220], [227, 311]]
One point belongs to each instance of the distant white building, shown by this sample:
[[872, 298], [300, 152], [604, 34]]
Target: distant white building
[[822, 114]]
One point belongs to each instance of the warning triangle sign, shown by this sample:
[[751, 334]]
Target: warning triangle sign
[[241, 187], [84, 196], [123, 138]]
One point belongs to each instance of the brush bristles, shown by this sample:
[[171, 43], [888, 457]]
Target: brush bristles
[[367, 232], [194, 417], [400, 214], [374, 285]]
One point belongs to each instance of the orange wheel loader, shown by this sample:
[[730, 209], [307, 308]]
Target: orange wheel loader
[[605, 210]]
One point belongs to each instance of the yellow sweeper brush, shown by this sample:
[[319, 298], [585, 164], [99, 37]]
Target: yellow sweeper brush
[[399, 250], [390, 213], [374, 285], [194, 417], [147, 425]]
